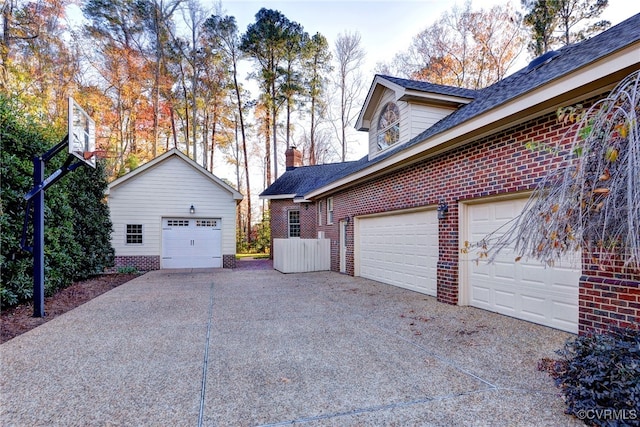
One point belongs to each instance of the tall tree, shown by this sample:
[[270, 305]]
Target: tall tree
[[115, 31], [556, 23], [221, 32], [158, 14], [266, 41], [292, 84], [37, 66], [465, 48], [541, 21], [350, 57], [317, 66], [194, 17]]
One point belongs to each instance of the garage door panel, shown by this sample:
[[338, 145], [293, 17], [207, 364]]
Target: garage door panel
[[191, 243], [400, 250], [564, 312], [527, 289], [505, 300]]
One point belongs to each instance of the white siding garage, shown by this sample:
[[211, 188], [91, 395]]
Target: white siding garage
[[526, 289], [191, 243], [399, 249], [173, 213]]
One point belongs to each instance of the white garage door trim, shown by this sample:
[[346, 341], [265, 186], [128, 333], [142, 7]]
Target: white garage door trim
[[527, 289], [191, 243], [405, 251]]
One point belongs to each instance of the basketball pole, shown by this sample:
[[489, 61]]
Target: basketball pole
[[36, 196]]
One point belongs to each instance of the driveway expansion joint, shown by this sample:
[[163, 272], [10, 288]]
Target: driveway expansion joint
[[372, 409], [442, 359], [205, 363]]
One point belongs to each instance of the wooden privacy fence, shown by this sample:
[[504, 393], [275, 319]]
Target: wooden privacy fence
[[301, 255]]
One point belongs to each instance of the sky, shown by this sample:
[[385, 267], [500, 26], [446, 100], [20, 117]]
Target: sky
[[386, 26]]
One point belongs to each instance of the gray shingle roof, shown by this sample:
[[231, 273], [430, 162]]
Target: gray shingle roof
[[432, 87], [304, 179], [571, 58]]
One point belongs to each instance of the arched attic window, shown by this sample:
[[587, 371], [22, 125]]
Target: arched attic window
[[388, 131]]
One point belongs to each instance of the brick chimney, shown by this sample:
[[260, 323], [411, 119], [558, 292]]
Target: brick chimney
[[293, 158]]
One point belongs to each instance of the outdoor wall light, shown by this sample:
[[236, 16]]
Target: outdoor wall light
[[443, 208], [192, 210]]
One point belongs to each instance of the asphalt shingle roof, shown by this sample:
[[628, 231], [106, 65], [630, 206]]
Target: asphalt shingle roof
[[432, 87], [570, 58], [304, 179]]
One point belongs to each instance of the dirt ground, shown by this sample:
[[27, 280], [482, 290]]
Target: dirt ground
[[18, 320]]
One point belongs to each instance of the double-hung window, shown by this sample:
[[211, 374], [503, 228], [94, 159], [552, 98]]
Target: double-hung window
[[134, 234], [294, 223], [330, 210], [319, 212]]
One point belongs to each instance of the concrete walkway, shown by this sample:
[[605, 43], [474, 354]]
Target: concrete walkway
[[258, 348]]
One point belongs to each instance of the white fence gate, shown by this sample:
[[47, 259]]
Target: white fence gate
[[301, 255]]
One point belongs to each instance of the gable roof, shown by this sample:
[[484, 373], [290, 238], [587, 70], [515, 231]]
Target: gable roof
[[295, 183], [431, 87], [178, 154], [588, 68], [411, 90]]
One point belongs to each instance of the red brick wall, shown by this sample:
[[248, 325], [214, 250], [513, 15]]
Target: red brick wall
[[141, 262], [280, 219], [229, 261], [609, 294], [152, 262], [494, 165]]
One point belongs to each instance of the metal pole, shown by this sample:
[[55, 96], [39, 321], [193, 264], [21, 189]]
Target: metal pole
[[38, 238]]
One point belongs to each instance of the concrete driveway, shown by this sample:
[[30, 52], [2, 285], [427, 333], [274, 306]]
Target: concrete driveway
[[259, 348]]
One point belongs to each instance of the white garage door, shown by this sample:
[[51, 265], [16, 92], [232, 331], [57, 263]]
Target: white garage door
[[525, 289], [191, 243], [400, 250]]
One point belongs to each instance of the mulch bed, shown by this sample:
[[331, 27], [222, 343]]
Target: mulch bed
[[18, 320]]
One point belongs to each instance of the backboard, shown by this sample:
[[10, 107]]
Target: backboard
[[82, 134]]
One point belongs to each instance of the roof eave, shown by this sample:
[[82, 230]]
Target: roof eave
[[277, 196]]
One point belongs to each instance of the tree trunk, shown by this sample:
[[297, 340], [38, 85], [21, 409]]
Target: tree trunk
[[274, 129], [244, 150]]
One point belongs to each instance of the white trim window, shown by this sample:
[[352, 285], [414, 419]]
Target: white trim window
[[294, 223], [319, 212], [330, 211], [388, 131], [133, 234]]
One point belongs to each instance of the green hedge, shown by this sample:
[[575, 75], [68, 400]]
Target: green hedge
[[77, 223]]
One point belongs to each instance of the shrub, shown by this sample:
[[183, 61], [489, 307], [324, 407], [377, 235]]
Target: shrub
[[77, 224], [599, 375], [129, 269]]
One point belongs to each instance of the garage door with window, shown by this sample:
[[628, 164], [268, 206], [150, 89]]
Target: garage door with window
[[191, 243], [525, 289], [400, 249]]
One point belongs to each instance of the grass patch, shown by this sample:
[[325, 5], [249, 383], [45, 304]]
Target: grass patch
[[254, 256]]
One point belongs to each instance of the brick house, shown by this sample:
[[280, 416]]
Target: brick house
[[448, 165]]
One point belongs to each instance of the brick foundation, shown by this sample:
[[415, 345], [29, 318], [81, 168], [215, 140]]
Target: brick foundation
[[606, 302], [141, 262], [229, 261]]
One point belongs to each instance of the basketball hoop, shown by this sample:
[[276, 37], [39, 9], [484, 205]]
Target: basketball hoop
[[82, 134]]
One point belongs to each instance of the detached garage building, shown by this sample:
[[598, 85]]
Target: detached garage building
[[447, 165], [173, 213]]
